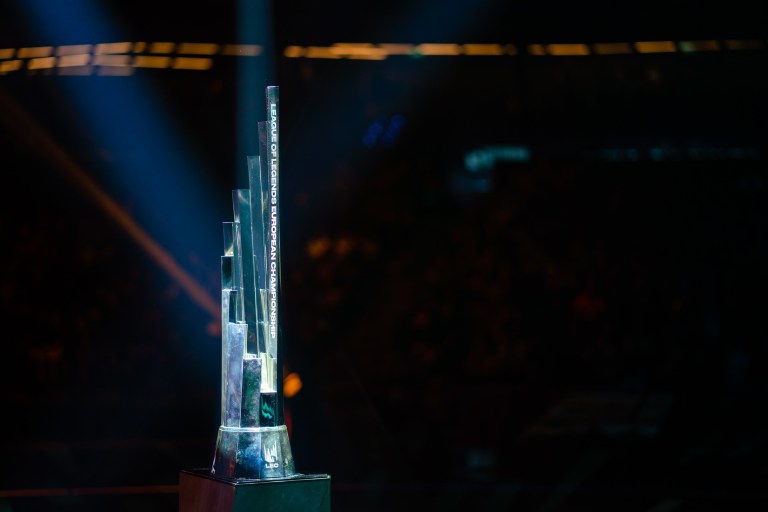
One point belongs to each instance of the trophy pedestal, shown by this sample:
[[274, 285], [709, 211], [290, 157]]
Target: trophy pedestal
[[253, 454], [199, 491]]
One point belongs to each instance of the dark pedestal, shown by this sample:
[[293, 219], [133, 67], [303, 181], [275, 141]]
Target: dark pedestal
[[199, 491]]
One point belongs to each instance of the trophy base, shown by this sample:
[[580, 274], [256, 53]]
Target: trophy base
[[253, 453], [199, 491]]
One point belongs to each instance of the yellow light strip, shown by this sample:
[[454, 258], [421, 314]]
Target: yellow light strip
[[145, 61], [192, 63], [367, 57], [398, 49], [293, 51], [41, 63], [320, 52], [10, 65], [354, 51], [567, 49], [80, 57], [162, 47], [124, 47], [75, 49], [38, 51], [198, 48], [655, 47], [67, 61], [483, 49], [438, 49]]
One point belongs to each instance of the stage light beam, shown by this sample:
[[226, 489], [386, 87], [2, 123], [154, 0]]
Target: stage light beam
[[25, 126]]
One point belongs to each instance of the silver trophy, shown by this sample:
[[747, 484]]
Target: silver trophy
[[253, 442], [253, 464]]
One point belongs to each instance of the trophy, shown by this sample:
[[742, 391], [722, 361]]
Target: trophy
[[253, 453]]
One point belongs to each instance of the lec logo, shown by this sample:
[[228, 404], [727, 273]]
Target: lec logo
[[270, 457]]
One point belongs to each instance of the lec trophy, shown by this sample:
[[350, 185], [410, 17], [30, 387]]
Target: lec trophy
[[253, 465]]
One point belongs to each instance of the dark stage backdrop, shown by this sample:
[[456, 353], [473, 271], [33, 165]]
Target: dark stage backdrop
[[525, 250]]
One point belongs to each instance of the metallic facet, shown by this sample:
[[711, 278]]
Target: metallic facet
[[234, 350], [241, 202], [226, 272], [251, 391]]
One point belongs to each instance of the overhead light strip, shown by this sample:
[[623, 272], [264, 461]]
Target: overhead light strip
[[105, 58]]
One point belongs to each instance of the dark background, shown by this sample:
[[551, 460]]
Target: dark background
[[581, 328]]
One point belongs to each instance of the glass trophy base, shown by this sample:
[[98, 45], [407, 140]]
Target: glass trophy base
[[199, 491], [258, 453]]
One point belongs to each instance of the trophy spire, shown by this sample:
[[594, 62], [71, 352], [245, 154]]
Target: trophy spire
[[253, 441], [253, 465]]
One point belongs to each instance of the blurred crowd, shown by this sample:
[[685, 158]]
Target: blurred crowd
[[422, 317]]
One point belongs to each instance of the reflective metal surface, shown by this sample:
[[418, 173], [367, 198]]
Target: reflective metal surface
[[252, 442], [253, 453]]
